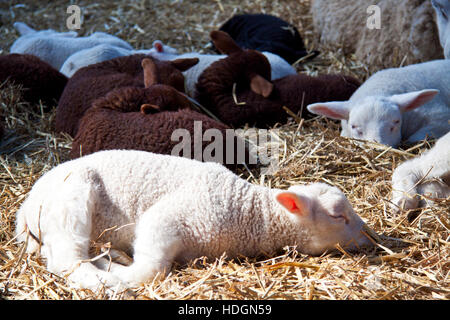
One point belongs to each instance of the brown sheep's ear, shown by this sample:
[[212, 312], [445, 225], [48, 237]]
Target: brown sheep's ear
[[224, 43], [261, 86], [150, 73], [184, 64], [147, 108]]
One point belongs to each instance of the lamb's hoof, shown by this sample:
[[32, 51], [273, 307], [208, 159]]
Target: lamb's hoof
[[404, 203]]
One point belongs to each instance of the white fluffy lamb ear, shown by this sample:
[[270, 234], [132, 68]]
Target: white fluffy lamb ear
[[23, 28], [294, 203], [338, 110], [412, 100], [157, 44]]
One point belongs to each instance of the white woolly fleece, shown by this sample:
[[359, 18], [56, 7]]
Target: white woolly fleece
[[172, 209], [105, 52], [54, 48], [432, 170]]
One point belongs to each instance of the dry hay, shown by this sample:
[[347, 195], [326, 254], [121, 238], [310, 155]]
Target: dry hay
[[409, 262]]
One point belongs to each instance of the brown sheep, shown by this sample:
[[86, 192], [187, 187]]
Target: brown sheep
[[145, 119], [237, 89], [39, 80], [95, 81]]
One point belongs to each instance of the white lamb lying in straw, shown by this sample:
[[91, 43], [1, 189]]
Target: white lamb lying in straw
[[172, 209], [427, 175], [55, 47], [105, 52], [396, 105]]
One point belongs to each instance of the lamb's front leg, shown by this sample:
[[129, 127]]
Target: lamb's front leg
[[157, 243], [404, 186]]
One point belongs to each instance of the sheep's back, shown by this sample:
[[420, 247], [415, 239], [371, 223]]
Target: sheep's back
[[104, 129], [408, 31], [39, 80], [95, 81]]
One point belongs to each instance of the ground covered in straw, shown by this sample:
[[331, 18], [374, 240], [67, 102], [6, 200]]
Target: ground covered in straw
[[410, 260]]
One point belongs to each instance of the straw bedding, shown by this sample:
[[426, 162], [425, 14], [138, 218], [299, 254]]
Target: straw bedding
[[409, 261]]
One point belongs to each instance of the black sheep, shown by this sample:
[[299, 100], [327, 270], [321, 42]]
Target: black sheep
[[264, 32]]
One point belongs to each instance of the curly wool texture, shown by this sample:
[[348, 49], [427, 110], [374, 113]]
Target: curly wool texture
[[215, 91], [280, 67], [116, 122], [103, 129], [408, 31], [95, 81], [39, 80]]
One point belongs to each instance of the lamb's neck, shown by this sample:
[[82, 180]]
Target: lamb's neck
[[279, 229]]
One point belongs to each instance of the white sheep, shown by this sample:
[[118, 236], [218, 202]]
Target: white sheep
[[408, 33], [26, 30], [280, 68], [427, 175], [442, 8], [54, 47], [105, 52], [386, 109], [168, 209]]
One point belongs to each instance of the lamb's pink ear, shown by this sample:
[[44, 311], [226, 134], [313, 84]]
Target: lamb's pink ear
[[412, 100], [261, 86], [148, 108], [150, 73], [158, 46], [338, 110], [184, 64], [294, 203], [224, 43]]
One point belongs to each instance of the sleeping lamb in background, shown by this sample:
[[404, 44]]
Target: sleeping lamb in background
[[408, 33], [427, 175], [97, 80], [39, 80], [405, 104], [169, 209], [26, 31], [105, 52], [237, 89], [54, 47], [264, 32], [442, 8], [146, 119]]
